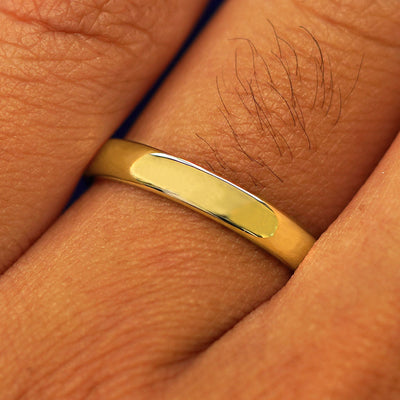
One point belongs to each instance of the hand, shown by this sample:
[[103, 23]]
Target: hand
[[130, 296]]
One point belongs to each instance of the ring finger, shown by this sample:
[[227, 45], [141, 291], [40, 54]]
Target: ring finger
[[147, 283]]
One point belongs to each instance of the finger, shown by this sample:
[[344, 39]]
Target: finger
[[69, 73], [333, 331], [168, 281]]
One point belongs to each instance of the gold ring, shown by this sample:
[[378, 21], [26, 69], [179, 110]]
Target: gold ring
[[193, 186]]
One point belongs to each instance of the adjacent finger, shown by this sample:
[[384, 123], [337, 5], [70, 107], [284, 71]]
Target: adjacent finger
[[69, 73], [143, 282], [333, 331]]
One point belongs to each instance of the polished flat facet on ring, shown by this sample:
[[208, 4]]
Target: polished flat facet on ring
[[205, 192]]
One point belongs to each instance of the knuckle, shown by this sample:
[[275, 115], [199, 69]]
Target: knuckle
[[48, 45], [109, 21]]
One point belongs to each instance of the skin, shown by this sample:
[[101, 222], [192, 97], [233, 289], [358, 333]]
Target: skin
[[128, 295], [69, 75]]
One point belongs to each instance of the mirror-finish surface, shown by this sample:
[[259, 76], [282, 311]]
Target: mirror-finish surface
[[206, 192], [186, 183]]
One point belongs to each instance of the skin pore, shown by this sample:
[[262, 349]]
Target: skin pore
[[128, 295]]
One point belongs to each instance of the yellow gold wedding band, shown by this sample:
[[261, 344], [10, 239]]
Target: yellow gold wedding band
[[205, 192]]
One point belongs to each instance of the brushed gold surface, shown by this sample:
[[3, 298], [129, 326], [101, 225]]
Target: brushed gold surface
[[203, 191]]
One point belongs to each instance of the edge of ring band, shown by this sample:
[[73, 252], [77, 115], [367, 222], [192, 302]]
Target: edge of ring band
[[117, 159]]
